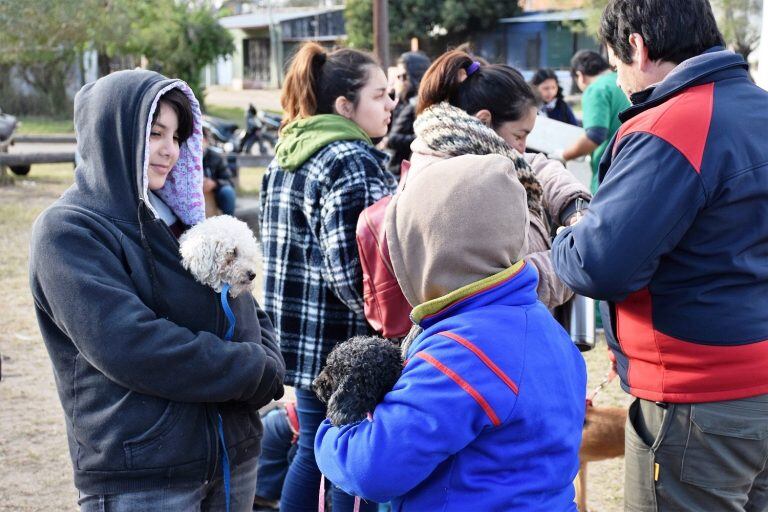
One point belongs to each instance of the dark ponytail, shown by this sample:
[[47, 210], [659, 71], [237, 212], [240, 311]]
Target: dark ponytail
[[316, 78], [497, 88]]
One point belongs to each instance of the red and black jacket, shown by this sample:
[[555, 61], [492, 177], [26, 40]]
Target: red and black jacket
[[676, 238]]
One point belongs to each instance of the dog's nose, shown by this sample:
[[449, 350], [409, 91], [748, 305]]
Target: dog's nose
[[251, 276]]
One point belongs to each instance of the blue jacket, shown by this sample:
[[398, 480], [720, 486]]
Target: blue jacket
[[487, 414], [676, 238], [136, 343], [561, 111]]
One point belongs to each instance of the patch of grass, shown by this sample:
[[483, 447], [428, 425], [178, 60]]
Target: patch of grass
[[250, 180], [35, 125], [33, 440], [233, 114]]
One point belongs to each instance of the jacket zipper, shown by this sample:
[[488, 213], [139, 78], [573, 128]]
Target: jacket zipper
[[211, 411]]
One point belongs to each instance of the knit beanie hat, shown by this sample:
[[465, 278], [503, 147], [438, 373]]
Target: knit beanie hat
[[457, 221]]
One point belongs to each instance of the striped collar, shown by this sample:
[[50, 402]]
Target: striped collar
[[433, 310]]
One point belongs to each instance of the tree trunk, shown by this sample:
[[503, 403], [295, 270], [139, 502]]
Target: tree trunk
[[104, 64]]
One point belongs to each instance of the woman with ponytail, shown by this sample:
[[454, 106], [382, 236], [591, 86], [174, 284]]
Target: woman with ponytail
[[326, 171], [466, 107]]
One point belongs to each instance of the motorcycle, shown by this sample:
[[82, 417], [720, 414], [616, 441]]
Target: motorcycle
[[271, 121], [8, 125], [260, 130]]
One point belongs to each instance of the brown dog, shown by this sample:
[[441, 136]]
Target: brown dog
[[602, 438]]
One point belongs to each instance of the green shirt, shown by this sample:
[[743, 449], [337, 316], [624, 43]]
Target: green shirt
[[601, 104]]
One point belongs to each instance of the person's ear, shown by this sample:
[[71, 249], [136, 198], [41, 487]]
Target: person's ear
[[344, 107], [484, 116], [639, 50]]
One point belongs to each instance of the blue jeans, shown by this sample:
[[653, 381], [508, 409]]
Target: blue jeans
[[302, 484], [225, 199], [277, 452], [205, 497]]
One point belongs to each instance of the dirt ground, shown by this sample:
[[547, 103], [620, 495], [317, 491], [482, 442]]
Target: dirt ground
[[36, 473]]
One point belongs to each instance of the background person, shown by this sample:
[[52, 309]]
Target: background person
[[411, 66], [675, 240], [601, 103], [547, 88], [218, 178]]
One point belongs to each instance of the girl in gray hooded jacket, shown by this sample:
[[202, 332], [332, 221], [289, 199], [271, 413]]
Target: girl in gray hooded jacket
[[153, 396]]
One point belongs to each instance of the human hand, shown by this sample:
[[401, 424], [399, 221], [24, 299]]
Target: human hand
[[574, 219], [209, 185], [557, 155], [382, 145]]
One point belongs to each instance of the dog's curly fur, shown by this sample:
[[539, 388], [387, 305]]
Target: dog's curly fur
[[357, 375], [221, 250]]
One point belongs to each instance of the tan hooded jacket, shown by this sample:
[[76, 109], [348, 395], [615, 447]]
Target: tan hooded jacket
[[560, 190], [452, 225]]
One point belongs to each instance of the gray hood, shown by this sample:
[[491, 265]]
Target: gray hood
[[112, 124]]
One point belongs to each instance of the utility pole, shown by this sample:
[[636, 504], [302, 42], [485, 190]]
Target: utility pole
[[381, 31], [762, 55]]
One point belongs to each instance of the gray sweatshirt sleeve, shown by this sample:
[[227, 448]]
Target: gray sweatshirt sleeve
[[83, 291]]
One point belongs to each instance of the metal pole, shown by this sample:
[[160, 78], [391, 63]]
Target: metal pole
[[381, 31], [762, 56]]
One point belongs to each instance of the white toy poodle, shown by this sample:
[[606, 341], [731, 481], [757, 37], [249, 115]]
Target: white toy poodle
[[221, 250]]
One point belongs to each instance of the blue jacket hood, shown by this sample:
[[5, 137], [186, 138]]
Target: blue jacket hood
[[112, 124]]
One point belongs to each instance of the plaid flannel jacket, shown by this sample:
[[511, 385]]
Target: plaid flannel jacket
[[312, 275]]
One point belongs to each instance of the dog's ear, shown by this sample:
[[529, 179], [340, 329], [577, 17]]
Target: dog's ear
[[323, 386], [350, 402], [198, 256]]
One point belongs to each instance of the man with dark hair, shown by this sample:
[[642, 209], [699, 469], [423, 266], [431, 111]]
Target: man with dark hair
[[601, 103], [676, 240]]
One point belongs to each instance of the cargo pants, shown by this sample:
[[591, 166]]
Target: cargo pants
[[697, 457]]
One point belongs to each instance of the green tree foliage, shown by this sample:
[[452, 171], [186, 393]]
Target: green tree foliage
[[438, 23], [39, 40], [180, 39], [738, 20], [43, 41]]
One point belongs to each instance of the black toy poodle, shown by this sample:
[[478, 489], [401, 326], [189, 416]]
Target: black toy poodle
[[357, 375]]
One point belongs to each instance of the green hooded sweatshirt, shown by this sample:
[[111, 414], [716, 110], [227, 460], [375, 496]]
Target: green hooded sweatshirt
[[302, 138]]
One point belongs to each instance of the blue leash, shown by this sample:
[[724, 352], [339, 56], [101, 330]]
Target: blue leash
[[227, 311], [228, 337]]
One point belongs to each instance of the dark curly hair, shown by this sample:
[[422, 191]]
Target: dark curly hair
[[357, 375]]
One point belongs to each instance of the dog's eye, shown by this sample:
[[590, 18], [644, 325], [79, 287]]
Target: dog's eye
[[232, 254]]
